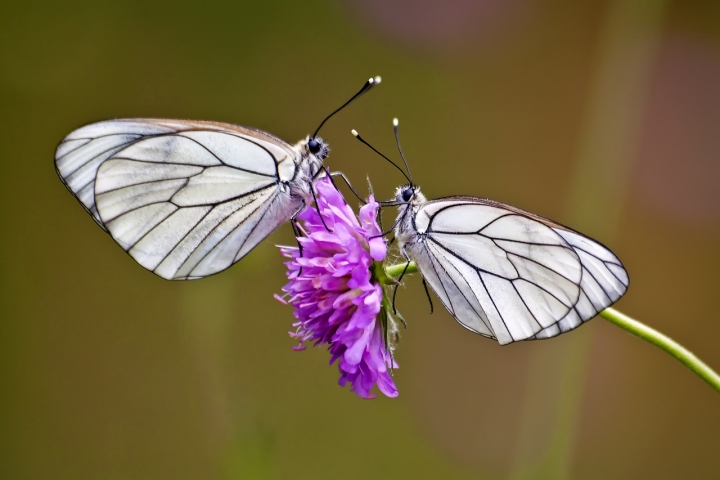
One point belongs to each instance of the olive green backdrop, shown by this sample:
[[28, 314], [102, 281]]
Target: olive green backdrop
[[602, 115]]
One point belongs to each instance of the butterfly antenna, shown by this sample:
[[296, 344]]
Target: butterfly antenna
[[397, 140], [365, 88], [357, 135]]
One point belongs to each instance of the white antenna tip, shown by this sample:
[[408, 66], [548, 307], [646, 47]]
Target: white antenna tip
[[378, 79], [354, 132], [395, 122]]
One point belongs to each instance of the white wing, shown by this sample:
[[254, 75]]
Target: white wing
[[184, 199], [510, 275]]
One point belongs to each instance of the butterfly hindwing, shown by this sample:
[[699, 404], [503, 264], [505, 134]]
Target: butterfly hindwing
[[509, 274], [184, 199]]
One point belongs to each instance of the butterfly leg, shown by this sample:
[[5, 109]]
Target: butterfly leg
[[347, 182], [399, 279], [312, 190], [428, 295], [297, 231], [400, 219], [332, 176], [317, 207]]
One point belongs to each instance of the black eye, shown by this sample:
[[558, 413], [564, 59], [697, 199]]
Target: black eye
[[407, 194], [313, 146]]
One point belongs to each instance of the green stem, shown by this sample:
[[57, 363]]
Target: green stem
[[394, 271], [638, 329], [651, 335]]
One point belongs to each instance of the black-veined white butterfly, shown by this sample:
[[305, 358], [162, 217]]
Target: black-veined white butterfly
[[502, 272], [187, 199]]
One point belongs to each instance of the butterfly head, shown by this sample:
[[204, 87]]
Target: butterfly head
[[409, 195], [315, 146]]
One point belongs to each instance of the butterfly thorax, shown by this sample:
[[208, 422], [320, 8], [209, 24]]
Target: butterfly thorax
[[410, 199]]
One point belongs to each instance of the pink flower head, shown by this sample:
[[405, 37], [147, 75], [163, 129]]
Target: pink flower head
[[336, 298]]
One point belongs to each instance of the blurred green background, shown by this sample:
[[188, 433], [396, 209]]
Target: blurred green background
[[601, 114]]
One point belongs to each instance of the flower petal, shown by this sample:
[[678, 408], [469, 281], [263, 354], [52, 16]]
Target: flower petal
[[335, 300]]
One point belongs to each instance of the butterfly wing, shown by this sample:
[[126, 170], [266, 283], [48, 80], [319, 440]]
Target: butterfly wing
[[511, 275], [184, 199]]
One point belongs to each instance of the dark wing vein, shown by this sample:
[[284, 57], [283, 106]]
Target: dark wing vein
[[223, 238], [76, 148], [148, 182], [233, 166], [259, 220], [460, 292], [198, 222], [502, 318]]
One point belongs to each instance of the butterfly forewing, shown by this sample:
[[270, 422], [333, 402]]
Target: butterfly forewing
[[184, 199], [510, 274]]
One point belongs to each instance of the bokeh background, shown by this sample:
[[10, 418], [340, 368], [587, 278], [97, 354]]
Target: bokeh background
[[604, 115]]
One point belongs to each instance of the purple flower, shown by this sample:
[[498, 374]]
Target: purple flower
[[336, 298]]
